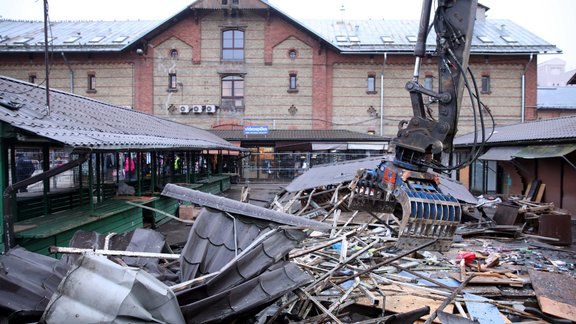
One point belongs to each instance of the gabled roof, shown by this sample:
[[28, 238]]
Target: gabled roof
[[557, 98], [350, 36], [557, 130], [83, 123], [300, 135]]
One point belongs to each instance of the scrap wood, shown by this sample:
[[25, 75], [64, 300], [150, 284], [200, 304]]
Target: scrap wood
[[555, 292], [319, 305], [488, 279]]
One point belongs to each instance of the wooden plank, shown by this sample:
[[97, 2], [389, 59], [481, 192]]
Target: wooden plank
[[493, 279], [540, 193], [401, 299], [556, 293]]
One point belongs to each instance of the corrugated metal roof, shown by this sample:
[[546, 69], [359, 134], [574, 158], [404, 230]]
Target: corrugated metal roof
[[81, 122], [300, 135], [492, 36], [72, 36], [557, 98], [546, 130], [396, 36]]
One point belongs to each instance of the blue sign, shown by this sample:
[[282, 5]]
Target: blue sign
[[255, 130]]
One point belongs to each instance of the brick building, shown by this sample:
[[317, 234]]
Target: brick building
[[226, 64]]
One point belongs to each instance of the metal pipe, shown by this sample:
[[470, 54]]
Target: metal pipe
[[70, 250], [523, 86], [382, 95], [70, 72]]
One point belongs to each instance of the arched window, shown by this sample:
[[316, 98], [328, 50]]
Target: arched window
[[232, 92], [233, 45]]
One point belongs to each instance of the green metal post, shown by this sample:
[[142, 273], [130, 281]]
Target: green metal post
[[187, 156], [3, 182], [91, 183], [13, 175], [98, 177], [138, 173], [220, 160], [194, 169], [153, 170], [80, 183], [46, 182]]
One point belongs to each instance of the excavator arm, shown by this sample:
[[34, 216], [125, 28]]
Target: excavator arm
[[424, 135], [406, 186]]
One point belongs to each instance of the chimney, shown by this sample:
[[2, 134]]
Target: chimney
[[342, 12], [481, 12]]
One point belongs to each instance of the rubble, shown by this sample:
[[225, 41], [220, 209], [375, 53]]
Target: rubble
[[311, 258]]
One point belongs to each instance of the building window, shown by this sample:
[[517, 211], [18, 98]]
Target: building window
[[429, 82], [486, 84], [233, 45], [172, 82], [293, 83], [371, 84], [91, 82], [32, 78], [232, 92], [174, 54], [292, 54], [224, 2]]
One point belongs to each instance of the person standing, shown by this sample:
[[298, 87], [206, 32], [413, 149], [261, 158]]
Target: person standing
[[24, 169]]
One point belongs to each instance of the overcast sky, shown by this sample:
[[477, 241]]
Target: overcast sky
[[552, 20]]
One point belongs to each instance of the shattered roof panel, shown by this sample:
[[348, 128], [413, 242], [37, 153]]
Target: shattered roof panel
[[551, 130], [97, 290], [332, 174], [271, 284], [28, 280], [81, 122]]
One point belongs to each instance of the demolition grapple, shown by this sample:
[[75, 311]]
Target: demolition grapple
[[425, 212]]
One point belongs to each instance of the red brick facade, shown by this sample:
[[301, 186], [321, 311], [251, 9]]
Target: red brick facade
[[332, 87]]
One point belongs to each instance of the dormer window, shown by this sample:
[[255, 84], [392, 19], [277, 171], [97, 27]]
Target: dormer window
[[174, 54]]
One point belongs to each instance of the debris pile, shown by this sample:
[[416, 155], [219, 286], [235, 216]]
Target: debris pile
[[308, 258]]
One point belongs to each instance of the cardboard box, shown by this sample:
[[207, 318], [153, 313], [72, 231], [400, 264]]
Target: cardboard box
[[188, 212]]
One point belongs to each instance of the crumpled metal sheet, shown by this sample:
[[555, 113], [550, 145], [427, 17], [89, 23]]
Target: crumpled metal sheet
[[246, 254], [138, 240], [273, 283], [217, 238], [28, 280], [236, 207], [96, 290]]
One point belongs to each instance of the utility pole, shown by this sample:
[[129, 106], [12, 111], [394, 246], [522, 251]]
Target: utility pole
[[46, 61]]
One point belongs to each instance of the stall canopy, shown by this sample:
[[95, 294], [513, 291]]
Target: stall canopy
[[500, 153], [83, 123], [545, 151]]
